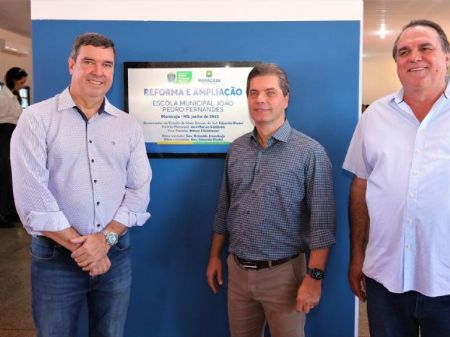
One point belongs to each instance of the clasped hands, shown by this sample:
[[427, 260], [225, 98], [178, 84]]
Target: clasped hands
[[91, 255]]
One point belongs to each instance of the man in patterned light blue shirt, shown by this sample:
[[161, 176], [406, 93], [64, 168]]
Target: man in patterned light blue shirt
[[81, 178], [276, 202]]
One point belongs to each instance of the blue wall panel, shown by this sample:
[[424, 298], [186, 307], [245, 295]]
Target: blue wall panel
[[170, 297]]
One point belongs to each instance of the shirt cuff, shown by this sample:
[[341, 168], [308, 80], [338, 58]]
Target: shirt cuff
[[360, 173], [220, 227], [39, 222], [129, 218], [322, 239]]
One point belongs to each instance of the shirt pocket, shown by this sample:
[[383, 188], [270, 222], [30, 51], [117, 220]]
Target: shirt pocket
[[114, 149], [438, 147], [283, 192]]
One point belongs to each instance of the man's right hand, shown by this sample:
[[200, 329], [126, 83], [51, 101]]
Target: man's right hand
[[214, 274], [357, 278], [359, 235]]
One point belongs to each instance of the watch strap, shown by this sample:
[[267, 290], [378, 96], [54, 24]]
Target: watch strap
[[315, 273]]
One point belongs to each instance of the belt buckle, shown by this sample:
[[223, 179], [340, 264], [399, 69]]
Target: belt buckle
[[246, 265]]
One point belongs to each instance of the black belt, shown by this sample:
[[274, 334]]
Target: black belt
[[255, 265]]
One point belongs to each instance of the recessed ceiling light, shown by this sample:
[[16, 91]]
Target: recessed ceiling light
[[382, 32]]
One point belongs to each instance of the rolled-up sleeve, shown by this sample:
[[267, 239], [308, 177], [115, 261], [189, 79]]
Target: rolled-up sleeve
[[133, 210], [320, 200], [220, 218], [36, 205]]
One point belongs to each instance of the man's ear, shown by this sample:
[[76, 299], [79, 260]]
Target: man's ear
[[287, 100], [70, 63]]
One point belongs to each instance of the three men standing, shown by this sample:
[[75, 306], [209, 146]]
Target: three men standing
[[276, 203], [81, 179]]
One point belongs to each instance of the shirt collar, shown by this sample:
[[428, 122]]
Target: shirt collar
[[447, 90], [66, 102], [282, 134], [398, 96]]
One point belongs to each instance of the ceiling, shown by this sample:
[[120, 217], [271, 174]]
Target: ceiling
[[395, 14], [15, 17]]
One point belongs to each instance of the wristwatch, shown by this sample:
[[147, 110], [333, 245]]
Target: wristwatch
[[315, 273], [111, 237]]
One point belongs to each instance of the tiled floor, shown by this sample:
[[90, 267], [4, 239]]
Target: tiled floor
[[15, 308]]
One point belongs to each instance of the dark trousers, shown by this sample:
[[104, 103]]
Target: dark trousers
[[7, 207], [404, 314], [59, 288]]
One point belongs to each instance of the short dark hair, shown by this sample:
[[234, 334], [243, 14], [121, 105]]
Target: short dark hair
[[14, 74], [91, 39], [270, 69], [426, 23]]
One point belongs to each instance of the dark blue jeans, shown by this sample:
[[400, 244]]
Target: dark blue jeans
[[402, 315], [59, 288]]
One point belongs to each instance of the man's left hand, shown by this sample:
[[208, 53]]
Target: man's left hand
[[98, 268], [308, 294], [93, 248]]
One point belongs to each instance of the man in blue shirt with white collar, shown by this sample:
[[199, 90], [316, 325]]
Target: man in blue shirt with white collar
[[81, 179]]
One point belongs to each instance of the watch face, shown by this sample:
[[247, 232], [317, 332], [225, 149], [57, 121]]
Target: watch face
[[111, 238], [316, 274]]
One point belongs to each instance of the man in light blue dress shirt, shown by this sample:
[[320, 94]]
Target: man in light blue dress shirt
[[400, 195], [81, 179]]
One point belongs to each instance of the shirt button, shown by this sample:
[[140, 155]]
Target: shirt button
[[92, 160], [90, 141], [98, 225], [98, 203], [95, 181]]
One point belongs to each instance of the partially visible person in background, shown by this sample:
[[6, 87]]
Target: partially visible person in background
[[10, 109], [364, 107]]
